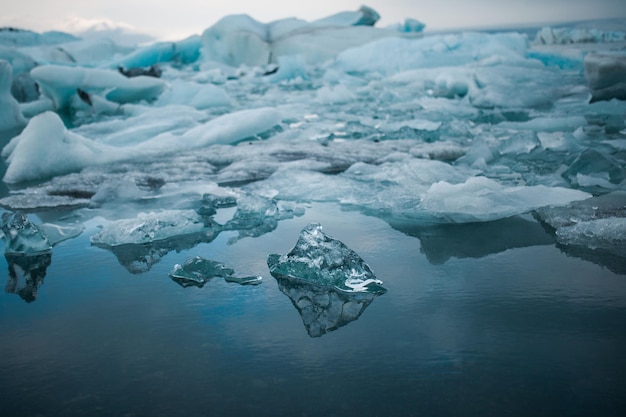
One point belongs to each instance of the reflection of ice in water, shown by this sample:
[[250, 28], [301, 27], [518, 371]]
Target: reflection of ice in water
[[26, 273], [323, 308]]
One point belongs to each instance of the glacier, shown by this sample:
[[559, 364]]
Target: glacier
[[430, 131]]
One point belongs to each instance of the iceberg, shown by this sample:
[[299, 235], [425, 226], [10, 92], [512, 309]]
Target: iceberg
[[238, 40], [198, 271], [46, 148], [319, 259], [60, 84], [182, 52]]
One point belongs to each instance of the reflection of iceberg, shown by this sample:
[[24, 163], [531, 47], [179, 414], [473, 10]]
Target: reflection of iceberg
[[32, 268], [198, 271], [324, 308], [328, 283], [474, 240]]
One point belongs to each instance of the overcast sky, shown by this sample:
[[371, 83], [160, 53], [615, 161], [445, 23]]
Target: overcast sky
[[179, 18]]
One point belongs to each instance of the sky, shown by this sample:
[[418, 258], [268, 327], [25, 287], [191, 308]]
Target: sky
[[166, 19]]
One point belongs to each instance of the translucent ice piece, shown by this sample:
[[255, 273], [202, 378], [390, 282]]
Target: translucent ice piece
[[22, 236], [198, 271], [319, 259], [154, 226]]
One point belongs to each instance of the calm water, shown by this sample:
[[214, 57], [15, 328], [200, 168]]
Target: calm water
[[478, 320]]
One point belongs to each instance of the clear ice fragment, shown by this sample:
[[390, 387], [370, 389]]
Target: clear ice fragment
[[198, 271], [319, 259], [21, 235]]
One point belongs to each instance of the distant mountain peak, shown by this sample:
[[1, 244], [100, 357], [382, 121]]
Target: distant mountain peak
[[120, 32]]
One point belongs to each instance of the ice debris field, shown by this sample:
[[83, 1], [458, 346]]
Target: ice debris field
[[168, 144]]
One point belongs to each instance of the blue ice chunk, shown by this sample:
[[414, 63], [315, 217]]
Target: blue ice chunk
[[20, 235], [181, 52], [197, 271], [319, 259]]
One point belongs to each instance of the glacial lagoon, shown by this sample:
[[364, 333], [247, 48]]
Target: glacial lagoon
[[268, 221]]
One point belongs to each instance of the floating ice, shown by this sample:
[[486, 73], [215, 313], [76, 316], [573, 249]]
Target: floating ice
[[383, 129], [152, 227], [321, 260], [594, 228], [198, 271], [21, 235], [141, 242], [483, 199]]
